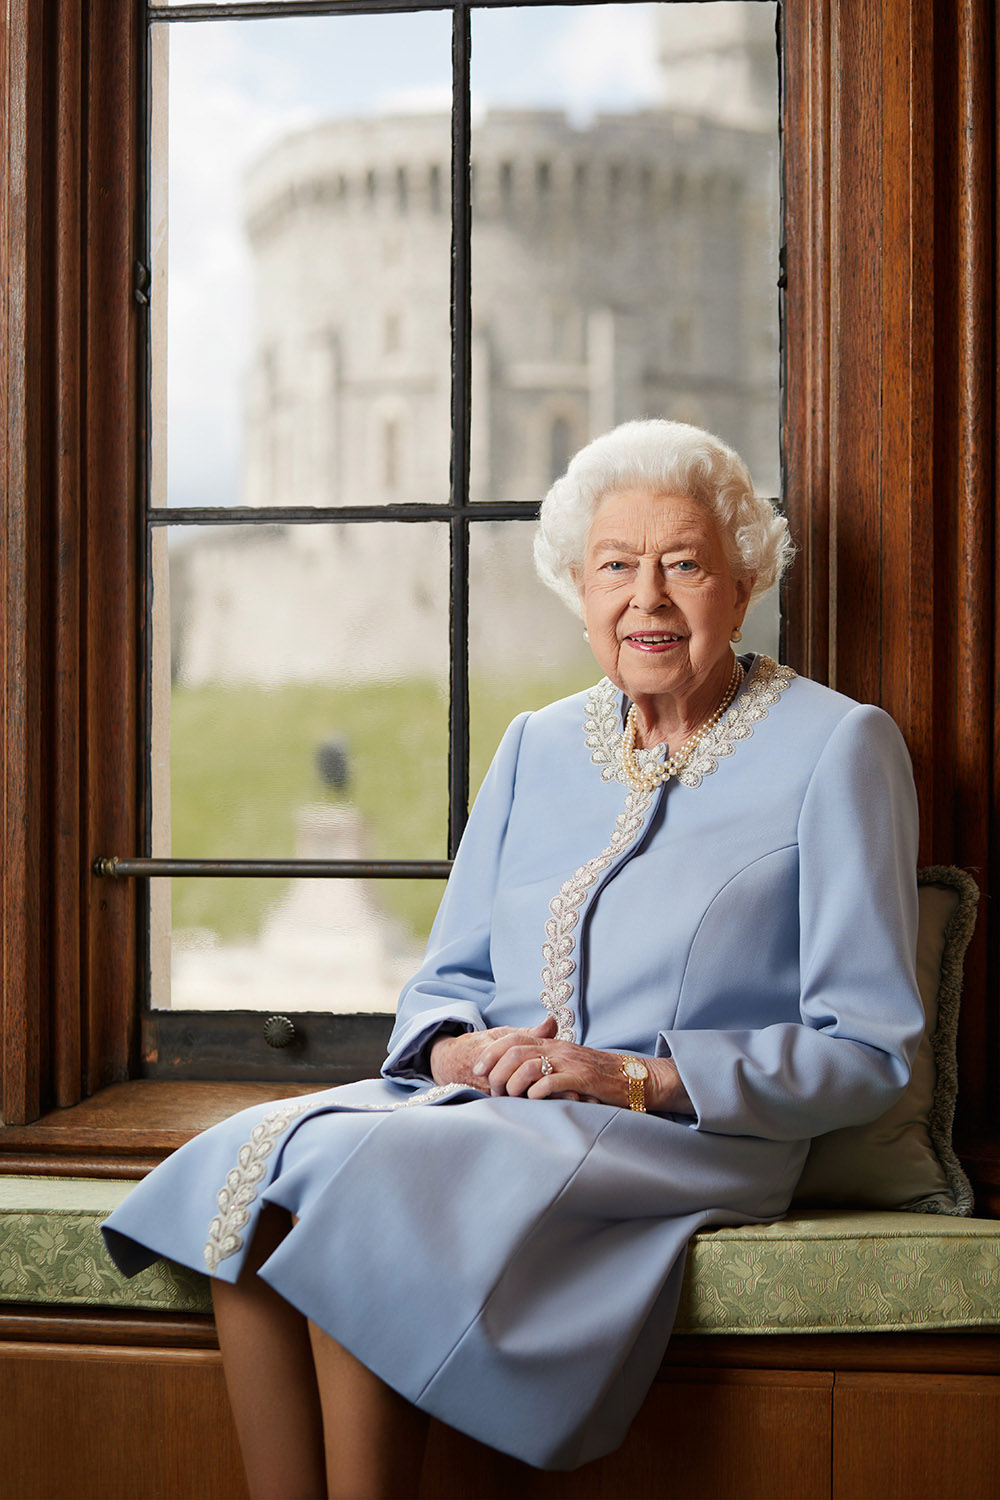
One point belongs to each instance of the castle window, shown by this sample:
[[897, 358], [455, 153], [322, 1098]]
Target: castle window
[[402, 189], [392, 333], [390, 455], [506, 184], [560, 448], [543, 177], [434, 188], [682, 337]]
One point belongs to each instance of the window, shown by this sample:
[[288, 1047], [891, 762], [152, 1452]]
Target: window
[[301, 591], [888, 276]]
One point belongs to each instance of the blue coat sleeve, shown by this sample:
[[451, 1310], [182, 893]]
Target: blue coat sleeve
[[849, 1057], [455, 981]]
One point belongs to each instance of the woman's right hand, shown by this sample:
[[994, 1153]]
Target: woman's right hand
[[453, 1058]]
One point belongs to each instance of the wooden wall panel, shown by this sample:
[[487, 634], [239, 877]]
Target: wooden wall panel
[[701, 1435], [95, 1423], [115, 437], [25, 1018], [891, 424], [916, 1437], [71, 583]]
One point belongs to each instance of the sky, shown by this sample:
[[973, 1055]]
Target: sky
[[237, 86]]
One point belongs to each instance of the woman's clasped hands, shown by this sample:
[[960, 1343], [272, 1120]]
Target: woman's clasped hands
[[530, 1062]]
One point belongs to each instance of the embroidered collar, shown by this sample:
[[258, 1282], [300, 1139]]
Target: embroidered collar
[[765, 682]]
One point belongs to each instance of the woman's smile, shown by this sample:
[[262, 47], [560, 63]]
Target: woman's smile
[[660, 602], [652, 641]]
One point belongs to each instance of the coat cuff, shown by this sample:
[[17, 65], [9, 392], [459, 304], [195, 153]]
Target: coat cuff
[[409, 1058]]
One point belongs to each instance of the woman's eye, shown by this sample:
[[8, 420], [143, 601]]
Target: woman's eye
[[613, 565], [686, 565]]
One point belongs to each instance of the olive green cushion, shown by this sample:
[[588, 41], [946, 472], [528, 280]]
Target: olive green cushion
[[811, 1273], [51, 1251], [836, 1272], [905, 1158]]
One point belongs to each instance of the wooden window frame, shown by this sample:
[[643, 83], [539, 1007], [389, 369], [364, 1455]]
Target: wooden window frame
[[890, 349]]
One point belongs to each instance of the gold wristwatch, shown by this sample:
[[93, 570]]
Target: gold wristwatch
[[636, 1072]]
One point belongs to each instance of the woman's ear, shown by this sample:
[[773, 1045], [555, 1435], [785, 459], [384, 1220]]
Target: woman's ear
[[744, 588], [577, 576]]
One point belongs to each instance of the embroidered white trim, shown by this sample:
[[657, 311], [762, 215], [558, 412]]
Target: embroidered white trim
[[765, 683], [603, 730], [557, 950], [243, 1182]]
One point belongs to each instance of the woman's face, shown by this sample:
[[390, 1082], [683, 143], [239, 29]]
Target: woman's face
[[659, 598]]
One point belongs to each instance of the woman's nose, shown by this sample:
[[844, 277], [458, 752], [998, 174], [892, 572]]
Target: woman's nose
[[651, 591]]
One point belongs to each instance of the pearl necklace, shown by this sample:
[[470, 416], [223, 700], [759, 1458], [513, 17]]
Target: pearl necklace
[[646, 781]]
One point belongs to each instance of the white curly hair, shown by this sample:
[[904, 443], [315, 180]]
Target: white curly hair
[[666, 458]]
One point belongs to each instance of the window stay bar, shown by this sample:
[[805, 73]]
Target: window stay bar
[[112, 867]]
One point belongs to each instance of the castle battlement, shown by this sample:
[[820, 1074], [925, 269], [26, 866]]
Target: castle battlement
[[524, 162]]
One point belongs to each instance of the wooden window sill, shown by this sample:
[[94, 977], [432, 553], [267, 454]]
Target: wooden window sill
[[128, 1128]]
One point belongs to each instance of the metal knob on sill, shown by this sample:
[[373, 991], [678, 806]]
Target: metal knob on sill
[[279, 1031]]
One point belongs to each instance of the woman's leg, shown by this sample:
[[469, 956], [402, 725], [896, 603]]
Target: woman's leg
[[267, 1358], [375, 1439]]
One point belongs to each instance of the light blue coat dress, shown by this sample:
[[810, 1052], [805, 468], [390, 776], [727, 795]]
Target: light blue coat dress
[[513, 1266]]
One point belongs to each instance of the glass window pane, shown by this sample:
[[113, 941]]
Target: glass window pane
[[289, 945], [625, 232], [308, 667], [300, 262], [299, 711], [525, 647]]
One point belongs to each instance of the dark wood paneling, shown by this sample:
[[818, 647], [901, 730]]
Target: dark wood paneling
[[916, 1437], [25, 1031], [725, 1420], [114, 436], [121, 1424], [709, 1435], [68, 263], [68, 205], [67, 1325], [806, 330], [890, 354]]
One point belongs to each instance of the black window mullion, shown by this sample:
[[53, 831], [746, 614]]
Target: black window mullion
[[461, 367]]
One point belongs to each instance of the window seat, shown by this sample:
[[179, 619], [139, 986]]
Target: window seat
[[820, 1271]]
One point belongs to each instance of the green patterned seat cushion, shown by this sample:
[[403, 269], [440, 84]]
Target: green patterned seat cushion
[[836, 1271], [51, 1251], [817, 1272]]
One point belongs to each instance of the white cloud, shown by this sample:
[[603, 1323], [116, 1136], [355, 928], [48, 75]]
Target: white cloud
[[228, 101], [605, 57], [431, 99]]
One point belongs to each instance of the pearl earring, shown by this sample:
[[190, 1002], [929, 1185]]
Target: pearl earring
[[737, 635]]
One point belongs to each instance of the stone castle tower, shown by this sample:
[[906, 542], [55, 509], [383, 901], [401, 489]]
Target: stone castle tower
[[616, 272]]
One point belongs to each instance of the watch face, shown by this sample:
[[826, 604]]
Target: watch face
[[633, 1068]]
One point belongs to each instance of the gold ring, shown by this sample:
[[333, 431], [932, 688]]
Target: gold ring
[[547, 1067]]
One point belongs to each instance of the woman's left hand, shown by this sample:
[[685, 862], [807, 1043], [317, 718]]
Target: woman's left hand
[[512, 1066]]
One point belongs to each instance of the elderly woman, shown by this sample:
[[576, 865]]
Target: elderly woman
[[677, 943]]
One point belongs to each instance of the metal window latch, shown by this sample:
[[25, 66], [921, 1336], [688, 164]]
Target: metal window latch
[[140, 287], [782, 269]]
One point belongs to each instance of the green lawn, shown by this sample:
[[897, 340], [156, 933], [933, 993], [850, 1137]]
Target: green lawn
[[244, 759]]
